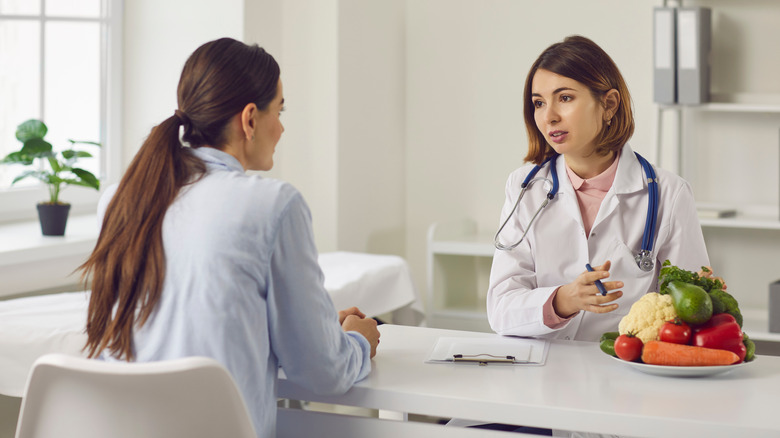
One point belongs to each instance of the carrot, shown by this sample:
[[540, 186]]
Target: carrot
[[667, 353]]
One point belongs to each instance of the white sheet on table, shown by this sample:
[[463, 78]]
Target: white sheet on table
[[33, 326], [376, 284]]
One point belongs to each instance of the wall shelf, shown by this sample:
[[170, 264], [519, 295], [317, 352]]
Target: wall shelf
[[729, 107], [754, 217], [459, 259]]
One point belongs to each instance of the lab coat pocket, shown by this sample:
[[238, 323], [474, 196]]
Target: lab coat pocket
[[636, 282]]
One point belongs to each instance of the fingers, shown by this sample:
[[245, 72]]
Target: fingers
[[600, 304], [351, 311], [604, 267], [366, 327]]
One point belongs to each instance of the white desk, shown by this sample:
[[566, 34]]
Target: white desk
[[579, 388]]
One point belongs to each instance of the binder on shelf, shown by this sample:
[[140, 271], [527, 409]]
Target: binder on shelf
[[664, 56], [694, 30]]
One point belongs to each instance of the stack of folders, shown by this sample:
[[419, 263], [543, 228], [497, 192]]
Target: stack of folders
[[682, 43]]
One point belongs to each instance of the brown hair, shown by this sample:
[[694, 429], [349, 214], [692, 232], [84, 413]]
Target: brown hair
[[127, 265], [584, 61]]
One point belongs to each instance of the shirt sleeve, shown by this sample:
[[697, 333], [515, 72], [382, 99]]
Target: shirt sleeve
[[306, 337], [551, 318]]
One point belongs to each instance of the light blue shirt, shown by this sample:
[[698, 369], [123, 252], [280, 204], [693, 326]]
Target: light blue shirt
[[242, 285]]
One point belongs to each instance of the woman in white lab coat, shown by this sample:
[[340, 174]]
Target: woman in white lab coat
[[577, 104]]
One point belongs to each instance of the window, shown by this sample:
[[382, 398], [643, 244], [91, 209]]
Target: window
[[60, 62]]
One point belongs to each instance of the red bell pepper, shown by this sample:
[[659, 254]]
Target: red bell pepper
[[721, 332]]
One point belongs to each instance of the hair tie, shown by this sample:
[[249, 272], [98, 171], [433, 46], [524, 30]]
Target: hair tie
[[182, 117]]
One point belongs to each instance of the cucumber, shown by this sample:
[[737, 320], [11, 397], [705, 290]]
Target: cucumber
[[608, 346], [609, 335]]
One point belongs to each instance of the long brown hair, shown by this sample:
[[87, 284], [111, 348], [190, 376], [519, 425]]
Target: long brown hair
[[127, 266], [579, 58]]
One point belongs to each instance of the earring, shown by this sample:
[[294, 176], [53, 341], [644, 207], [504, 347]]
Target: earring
[[609, 122]]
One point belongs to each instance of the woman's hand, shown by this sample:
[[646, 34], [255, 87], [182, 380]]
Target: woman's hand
[[343, 314], [582, 293], [365, 326], [707, 273]]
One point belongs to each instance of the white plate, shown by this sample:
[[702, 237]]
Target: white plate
[[668, 371]]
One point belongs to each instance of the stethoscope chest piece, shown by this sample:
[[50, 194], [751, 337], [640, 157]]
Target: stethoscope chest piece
[[644, 259]]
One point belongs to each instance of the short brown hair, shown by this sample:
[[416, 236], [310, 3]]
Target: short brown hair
[[579, 58]]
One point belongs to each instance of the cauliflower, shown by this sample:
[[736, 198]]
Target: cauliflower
[[647, 316]]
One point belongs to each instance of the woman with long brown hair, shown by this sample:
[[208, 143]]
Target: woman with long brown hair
[[197, 258], [612, 208]]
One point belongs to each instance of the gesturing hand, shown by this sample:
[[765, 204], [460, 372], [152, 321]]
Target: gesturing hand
[[582, 294]]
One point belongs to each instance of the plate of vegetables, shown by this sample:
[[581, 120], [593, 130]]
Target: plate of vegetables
[[690, 328]]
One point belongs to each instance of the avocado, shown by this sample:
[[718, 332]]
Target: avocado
[[692, 303]]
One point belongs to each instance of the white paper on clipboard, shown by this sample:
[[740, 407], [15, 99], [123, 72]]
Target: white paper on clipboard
[[524, 351]]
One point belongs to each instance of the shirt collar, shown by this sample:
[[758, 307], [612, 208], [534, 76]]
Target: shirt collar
[[216, 157], [601, 182]]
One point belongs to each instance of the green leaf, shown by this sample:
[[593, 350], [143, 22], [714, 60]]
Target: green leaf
[[31, 129], [88, 179], [55, 165], [25, 174], [94, 143], [70, 153], [53, 179], [17, 158], [36, 148]]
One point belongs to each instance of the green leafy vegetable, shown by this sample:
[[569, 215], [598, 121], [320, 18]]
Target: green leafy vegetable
[[671, 273]]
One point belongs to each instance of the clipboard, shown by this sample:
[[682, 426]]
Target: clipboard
[[500, 350]]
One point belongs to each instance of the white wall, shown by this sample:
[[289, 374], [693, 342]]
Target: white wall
[[342, 67], [466, 64], [158, 38]]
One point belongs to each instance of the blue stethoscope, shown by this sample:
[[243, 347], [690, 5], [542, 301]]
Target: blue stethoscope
[[644, 258]]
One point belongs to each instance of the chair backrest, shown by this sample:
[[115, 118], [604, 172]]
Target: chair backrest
[[68, 396]]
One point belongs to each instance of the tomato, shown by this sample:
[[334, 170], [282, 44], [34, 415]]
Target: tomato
[[676, 332], [628, 347]]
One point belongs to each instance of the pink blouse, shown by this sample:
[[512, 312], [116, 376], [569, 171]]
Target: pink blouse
[[590, 193]]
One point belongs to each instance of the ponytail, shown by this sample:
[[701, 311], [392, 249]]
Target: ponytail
[[128, 262]]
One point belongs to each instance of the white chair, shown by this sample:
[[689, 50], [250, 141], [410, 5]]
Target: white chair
[[68, 396]]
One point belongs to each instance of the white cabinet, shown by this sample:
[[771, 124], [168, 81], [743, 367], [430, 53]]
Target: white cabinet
[[459, 259], [761, 217]]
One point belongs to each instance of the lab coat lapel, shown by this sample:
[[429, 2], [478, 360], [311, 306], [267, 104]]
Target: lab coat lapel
[[566, 196], [629, 178]]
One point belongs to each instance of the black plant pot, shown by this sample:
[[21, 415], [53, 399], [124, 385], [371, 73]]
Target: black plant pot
[[53, 218]]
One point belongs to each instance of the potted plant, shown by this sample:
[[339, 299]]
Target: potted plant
[[55, 169]]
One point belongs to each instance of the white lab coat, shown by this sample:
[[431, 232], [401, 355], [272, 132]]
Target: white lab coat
[[556, 249]]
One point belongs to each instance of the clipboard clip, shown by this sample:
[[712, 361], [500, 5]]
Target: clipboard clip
[[482, 359]]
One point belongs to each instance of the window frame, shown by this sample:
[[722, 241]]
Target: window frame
[[18, 203]]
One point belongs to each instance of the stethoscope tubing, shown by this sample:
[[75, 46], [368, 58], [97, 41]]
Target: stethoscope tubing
[[643, 258], [527, 183]]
